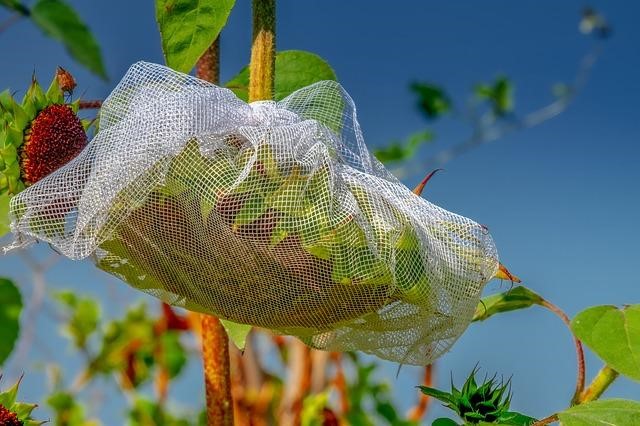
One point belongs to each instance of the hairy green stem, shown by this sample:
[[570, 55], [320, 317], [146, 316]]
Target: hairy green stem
[[600, 383], [263, 51]]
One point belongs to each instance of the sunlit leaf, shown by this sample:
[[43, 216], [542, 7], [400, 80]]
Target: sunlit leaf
[[59, 21], [237, 332], [295, 69], [518, 297], [613, 334], [619, 412], [10, 308], [188, 27]]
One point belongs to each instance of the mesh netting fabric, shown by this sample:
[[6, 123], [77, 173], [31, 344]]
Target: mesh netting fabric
[[272, 214]]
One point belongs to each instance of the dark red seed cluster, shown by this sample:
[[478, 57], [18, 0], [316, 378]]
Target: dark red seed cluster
[[56, 136], [9, 418]]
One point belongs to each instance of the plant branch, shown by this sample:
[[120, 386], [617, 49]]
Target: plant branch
[[486, 130], [605, 377], [579, 351], [418, 412], [262, 66], [547, 420], [215, 343], [4, 25], [92, 104]]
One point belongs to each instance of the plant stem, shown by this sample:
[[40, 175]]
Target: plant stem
[[600, 383], [94, 104], [215, 343], [579, 351], [263, 49], [546, 421], [208, 66]]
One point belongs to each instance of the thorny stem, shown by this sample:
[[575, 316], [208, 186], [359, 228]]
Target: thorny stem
[[262, 66], [600, 383], [547, 420], [215, 343], [579, 351]]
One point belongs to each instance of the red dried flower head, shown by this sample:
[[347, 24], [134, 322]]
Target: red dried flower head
[[9, 418], [56, 136]]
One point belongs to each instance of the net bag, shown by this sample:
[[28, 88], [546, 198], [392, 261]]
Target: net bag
[[272, 214]]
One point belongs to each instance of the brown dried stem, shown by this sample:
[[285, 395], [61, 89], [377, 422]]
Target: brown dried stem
[[215, 343]]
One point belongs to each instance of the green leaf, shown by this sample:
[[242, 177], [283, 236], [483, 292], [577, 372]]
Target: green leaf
[[437, 394], [237, 333], [16, 6], [443, 421], [432, 100], [5, 199], [59, 21], [499, 95], [172, 354], [295, 69], [403, 150], [517, 298], [10, 308], [613, 334], [84, 315], [188, 27], [619, 412]]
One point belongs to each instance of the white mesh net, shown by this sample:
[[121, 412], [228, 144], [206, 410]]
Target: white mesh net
[[270, 214]]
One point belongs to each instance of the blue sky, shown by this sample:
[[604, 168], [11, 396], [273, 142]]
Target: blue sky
[[561, 199]]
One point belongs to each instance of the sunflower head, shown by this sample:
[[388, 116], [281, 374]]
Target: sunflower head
[[15, 413], [38, 135]]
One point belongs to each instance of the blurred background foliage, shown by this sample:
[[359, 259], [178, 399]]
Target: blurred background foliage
[[142, 350]]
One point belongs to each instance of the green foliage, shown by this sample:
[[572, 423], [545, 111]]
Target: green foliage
[[617, 412], [499, 94], [295, 69], [10, 308], [59, 21], [150, 413], [488, 402], [68, 411], [518, 297], [365, 392], [5, 200], [237, 332], [83, 315], [432, 99], [133, 347], [613, 334], [443, 421], [398, 151], [313, 408], [188, 27]]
